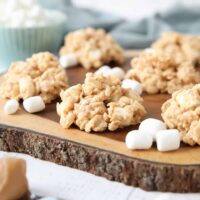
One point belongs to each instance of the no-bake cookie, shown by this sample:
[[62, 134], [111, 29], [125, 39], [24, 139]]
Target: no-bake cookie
[[160, 73], [180, 47], [100, 103], [39, 75], [182, 112], [93, 47]]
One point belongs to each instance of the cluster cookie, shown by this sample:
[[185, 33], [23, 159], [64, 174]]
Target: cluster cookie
[[93, 47], [100, 103], [182, 111], [181, 47], [39, 75], [160, 73]]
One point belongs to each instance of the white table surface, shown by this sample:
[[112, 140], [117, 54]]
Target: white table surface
[[49, 179]]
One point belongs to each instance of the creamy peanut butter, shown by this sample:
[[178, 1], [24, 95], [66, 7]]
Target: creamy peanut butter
[[13, 182]]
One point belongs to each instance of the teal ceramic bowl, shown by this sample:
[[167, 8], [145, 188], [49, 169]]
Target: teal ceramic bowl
[[21, 42]]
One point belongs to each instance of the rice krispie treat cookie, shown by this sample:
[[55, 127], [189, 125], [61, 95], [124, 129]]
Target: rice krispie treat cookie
[[93, 47], [98, 104], [39, 75], [181, 47], [160, 73], [182, 112]]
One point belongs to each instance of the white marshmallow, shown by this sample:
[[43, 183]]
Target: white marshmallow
[[150, 50], [108, 73], [103, 69], [68, 60], [118, 72], [35, 12], [132, 84], [27, 13], [34, 104], [11, 106], [138, 140], [152, 126], [168, 140]]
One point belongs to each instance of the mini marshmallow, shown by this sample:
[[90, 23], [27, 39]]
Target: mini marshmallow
[[150, 50], [103, 69], [35, 12], [118, 72], [132, 84], [138, 140], [27, 13], [152, 126], [168, 140], [68, 60], [11, 106], [108, 73], [34, 104]]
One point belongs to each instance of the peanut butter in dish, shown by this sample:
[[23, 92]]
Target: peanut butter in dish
[[13, 182]]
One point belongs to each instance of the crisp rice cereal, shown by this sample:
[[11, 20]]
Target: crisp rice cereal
[[160, 73], [181, 47], [182, 112], [39, 75], [100, 103], [93, 47]]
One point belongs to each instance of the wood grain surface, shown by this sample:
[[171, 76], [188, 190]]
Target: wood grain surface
[[103, 154]]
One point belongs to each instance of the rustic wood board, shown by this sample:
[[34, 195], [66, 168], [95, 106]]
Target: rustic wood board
[[103, 154]]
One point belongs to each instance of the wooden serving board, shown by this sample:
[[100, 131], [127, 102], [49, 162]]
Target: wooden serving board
[[103, 154]]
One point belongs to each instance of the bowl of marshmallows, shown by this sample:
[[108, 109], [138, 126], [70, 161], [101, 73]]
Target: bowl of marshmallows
[[27, 28]]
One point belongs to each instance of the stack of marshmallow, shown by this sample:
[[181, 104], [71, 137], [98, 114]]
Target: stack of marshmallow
[[151, 130], [26, 13]]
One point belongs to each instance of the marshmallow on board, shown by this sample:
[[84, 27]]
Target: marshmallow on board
[[152, 126], [168, 140], [34, 104], [11, 106], [138, 140]]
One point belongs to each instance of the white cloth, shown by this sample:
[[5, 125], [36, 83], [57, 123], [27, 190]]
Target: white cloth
[[49, 179]]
